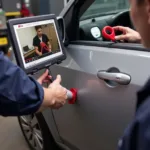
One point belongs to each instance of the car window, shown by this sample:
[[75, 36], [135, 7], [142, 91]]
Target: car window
[[102, 13], [104, 7]]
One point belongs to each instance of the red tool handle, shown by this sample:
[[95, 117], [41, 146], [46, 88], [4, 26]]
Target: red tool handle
[[108, 33]]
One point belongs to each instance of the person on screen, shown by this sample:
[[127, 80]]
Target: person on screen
[[41, 42]]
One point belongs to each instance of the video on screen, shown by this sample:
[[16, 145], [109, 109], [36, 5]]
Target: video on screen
[[38, 42]]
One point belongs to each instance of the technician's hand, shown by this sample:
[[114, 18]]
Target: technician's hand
[[45, 78], [128, 34], [55, 96], [59, 93]]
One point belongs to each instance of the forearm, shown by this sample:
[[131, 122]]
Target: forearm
[[47, 101], [37, 51], [49, 45]]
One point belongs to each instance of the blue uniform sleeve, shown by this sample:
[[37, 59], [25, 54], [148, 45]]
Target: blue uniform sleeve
[[143, 123], [137, 135], [19, 94]]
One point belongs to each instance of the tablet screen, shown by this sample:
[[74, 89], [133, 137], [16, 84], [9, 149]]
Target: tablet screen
[[38, 42]]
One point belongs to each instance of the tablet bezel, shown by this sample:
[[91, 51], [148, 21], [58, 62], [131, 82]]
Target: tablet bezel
[[15, 45]]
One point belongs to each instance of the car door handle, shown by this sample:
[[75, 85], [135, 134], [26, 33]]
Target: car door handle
[[120, 78]]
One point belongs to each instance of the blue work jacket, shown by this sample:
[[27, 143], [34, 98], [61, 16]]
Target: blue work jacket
[[19, 94], [137, 134]]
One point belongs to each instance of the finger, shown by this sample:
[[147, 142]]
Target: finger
[[58, 80], [121, 37], [65, 95], [57, 106], [48, 78], [64, 102], [46, 81], [61, 105], [53, 103], [119, 28], [65, 91], [122, 40]]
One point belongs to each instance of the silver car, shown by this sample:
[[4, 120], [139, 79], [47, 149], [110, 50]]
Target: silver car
[[106, 74]]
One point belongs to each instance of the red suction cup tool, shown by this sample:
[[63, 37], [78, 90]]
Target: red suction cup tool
[[72, 96], [108, 33]]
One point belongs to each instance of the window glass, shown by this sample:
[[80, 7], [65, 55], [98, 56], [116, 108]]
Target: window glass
[[103, 7], [104, 13]]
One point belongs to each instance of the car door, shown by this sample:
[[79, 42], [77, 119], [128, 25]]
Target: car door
[[107, 78]]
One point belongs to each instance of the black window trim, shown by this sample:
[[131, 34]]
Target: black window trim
[[71, 14], [127, 46]]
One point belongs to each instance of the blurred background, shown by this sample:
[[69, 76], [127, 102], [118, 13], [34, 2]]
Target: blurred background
[[37, 7]]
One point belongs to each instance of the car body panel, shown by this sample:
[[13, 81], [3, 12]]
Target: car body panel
[[101, 113]]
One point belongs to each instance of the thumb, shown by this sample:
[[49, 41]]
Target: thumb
[[58, 79], [121, 37]]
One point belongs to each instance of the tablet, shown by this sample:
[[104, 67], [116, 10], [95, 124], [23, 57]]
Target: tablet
[[36, 42]]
